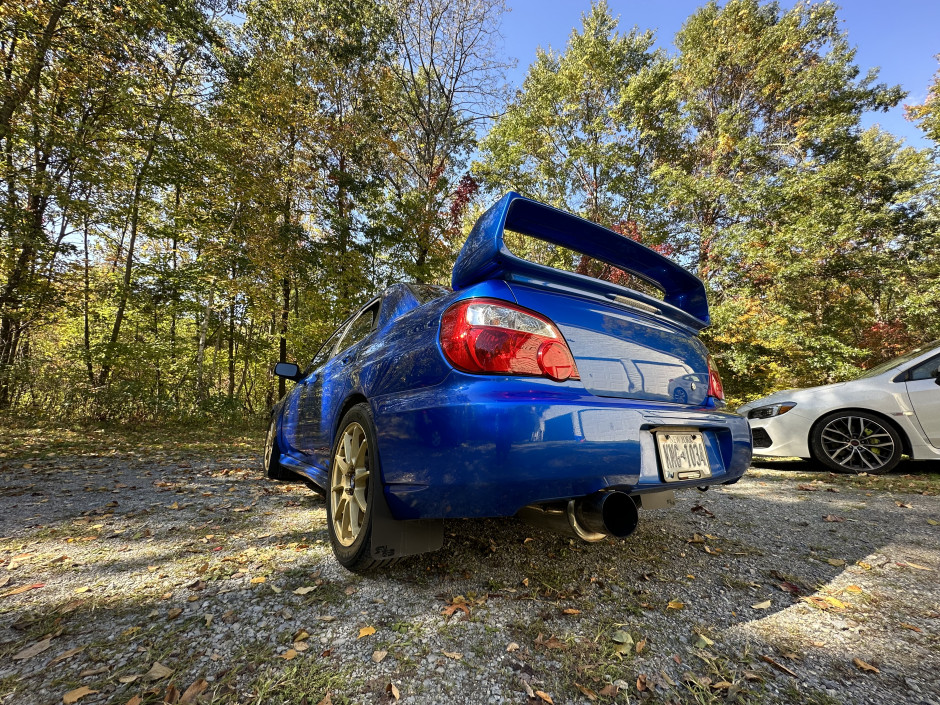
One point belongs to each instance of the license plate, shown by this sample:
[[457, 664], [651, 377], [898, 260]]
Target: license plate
[[682, 454]]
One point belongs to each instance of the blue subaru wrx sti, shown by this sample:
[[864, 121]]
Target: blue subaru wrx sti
[[526, 390]]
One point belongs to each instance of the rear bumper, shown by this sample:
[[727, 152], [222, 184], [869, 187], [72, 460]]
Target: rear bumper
[[479, 447]]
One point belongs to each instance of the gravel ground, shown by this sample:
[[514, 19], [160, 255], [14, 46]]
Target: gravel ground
[[164, 568]]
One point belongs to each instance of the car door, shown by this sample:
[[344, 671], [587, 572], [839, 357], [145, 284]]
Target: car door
[[332, 386], [924, 392], [309, 388]]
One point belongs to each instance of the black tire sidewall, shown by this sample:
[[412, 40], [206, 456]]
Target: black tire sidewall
[[820, 456], [358, 552]]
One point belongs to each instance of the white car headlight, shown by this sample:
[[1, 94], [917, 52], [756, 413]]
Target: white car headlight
[[768, 412]]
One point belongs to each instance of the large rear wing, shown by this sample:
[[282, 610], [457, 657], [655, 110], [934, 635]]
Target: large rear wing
[[485, 256]]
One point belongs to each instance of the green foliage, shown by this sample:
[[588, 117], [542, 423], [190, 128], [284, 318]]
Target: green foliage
[[186, 199]]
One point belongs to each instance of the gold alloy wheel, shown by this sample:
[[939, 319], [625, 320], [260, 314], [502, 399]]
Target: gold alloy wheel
[[269, 445], [349, 484]]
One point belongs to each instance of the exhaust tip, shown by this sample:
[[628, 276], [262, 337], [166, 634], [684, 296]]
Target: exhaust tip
[[620, 514]]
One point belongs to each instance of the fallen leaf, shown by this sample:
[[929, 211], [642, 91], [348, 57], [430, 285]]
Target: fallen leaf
[[914, 565], [933, 522], [903, 505], [157, 672], [675, 605], [33, 650], [703, 510], [327, 700], [73, 696], [807, 488], [570, 610], [301, 646], [174, 613], [513, 646], [128, 679], [910, 626], [392, 690], [259, 579], [761, 605], [304, 590], [838, 562], [289, 655], [610, 690], [789, 587], [22, 589], [641, 682], [93, 672], [545, 697], [703, 641], [853, 588], [453, 655], [366, 631], [721, 685], [862, 666], [66, 654], [171, 696], [640, 645], [586, 692], [377, 656], [833, 517], [136, 700]]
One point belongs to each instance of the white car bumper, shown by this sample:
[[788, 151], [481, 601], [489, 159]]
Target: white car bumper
[[786, 435]]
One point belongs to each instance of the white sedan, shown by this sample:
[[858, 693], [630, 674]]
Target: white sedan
[[860, 426]]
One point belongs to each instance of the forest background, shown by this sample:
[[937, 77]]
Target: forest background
[[193, 190]]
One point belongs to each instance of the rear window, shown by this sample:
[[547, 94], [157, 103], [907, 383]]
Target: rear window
[[428, 292], [548, 254]]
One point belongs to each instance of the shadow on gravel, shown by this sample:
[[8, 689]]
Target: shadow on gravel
[[905, 467]]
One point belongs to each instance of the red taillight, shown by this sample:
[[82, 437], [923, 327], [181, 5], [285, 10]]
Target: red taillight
[[487, 336], [715, 388]]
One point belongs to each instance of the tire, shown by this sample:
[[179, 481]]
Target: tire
[[680, 396], [856, 441], [355, 477], [270, 464]]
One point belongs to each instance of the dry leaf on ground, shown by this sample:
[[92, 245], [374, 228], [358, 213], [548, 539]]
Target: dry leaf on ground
[[33, 649], [862, 666], [545, 697], [366, 631], [73, 696], [157, 671]]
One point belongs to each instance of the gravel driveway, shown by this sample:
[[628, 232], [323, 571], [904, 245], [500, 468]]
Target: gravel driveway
[[151, 567]]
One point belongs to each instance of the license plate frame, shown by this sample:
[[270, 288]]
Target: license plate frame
[[682, 454]]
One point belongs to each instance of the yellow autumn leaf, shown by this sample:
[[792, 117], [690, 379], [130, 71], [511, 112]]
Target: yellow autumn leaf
[[675, 605], [366, 631], [259, 579]]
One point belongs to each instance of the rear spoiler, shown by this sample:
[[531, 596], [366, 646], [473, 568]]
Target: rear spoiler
[[485, 256]]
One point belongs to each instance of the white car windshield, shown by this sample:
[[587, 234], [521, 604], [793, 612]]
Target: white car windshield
[[898, 361]]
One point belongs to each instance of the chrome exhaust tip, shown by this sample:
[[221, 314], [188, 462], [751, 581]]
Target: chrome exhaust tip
[[592, 518]]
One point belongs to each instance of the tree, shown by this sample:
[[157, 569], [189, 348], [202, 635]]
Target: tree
[[568, 138]]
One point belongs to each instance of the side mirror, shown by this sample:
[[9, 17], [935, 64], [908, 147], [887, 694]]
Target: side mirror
[[287, 370], [936, 375]]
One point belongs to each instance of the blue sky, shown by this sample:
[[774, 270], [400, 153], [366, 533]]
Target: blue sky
[[899, 36]]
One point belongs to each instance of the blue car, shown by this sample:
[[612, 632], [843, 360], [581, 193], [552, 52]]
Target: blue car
[[524, 391]]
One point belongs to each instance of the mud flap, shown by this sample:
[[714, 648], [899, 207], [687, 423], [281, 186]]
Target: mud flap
[[392, 538]]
